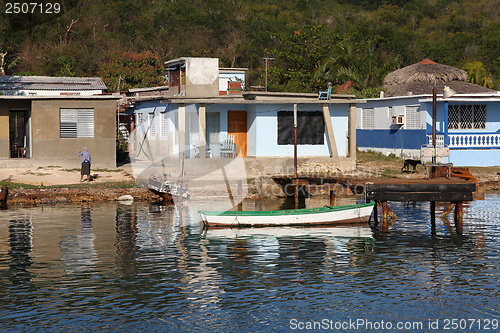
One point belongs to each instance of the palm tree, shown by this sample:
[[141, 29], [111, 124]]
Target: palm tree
[[361, 65], [478, 74]]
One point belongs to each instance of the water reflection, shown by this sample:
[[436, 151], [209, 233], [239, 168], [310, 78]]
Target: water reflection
[[147, 267], [21, 247], [77, 250]]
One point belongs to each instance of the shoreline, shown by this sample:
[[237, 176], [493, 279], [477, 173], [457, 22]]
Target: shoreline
[[105, 192], [55, 185]]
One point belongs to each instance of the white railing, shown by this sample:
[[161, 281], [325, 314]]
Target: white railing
[[439, 140], [468, 140], [474, 140]]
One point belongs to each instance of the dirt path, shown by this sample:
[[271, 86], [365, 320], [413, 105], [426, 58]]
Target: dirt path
[[49, 176]]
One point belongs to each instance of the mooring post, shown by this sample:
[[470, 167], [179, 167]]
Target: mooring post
[[433, 213], [459, 216], [375, 213], [332, 198], [385, 212]]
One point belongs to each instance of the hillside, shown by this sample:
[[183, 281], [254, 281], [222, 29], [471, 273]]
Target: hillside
[[364, 39]]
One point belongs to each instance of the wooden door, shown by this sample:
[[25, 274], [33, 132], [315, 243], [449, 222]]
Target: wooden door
[[237, 125], [17, 132]]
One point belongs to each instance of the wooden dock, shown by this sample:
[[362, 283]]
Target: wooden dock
[[452, 191]]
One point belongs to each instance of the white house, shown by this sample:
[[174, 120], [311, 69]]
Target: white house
[[194, 118]]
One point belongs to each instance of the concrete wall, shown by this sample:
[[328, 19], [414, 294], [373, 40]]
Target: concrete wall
[[48, 148], [202, 77]]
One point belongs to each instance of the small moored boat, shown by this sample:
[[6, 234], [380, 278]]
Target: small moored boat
[[290, 217]]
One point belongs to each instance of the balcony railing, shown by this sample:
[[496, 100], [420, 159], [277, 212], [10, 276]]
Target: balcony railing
[[439, 140], [468, 140]]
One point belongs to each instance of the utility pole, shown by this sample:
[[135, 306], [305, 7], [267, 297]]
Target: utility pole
[[267, 59]]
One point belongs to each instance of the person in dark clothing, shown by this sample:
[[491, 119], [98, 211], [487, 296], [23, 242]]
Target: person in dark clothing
[[84, 153]]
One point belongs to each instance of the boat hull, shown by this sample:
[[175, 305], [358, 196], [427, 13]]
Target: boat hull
[[314, 216]]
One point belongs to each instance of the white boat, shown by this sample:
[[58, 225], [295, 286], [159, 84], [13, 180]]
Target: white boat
[[291, 217]]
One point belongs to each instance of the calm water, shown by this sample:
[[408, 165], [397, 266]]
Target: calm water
[[143, 268]]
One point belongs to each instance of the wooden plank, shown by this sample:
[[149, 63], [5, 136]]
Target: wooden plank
[[329, 131], [421, 187], [420, 196], [299, 182]]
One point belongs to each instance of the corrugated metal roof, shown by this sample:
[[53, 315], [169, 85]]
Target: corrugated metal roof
[[50, 83]]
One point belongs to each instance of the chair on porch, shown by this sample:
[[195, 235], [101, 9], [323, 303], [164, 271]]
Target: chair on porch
[[228, 147], [326, 94], [196, 148]]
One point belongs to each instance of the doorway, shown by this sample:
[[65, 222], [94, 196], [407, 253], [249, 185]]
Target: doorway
[[237, 125], [18, 133]]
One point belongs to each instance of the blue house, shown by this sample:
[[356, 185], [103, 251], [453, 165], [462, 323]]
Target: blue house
[[400, 121]]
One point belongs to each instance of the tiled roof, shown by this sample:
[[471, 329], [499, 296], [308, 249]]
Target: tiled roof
[[50, 83]]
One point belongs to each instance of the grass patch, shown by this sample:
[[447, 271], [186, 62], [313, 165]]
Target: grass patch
[[112, 185], [12, 185], [371, 156]]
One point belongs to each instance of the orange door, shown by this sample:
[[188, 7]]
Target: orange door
[[237, 125]]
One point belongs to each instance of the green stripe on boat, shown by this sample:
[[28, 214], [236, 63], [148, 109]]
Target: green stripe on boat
[[303, 211]]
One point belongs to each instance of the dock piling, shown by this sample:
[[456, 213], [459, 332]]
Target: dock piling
[[459, 217]]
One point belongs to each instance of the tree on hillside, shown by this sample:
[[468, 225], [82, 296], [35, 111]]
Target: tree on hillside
[[298, 55], [478, 74], [360, 65], [132, 70]]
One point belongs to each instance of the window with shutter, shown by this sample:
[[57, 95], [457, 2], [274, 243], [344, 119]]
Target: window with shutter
[[77, 123]]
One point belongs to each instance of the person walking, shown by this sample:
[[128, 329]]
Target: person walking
[[84, 153]]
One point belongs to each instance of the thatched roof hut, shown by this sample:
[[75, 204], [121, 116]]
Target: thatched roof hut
[[420, 78]]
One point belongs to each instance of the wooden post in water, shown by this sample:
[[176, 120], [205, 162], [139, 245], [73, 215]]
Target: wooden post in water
[[433, 213], [459, 217], [295, 175], [332, 198]]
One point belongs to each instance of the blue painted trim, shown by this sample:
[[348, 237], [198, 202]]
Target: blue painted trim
[[475, 148], [445, 121]]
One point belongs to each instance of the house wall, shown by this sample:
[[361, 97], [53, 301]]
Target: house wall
[[389, 138], [404, 143], [48, 148], [202, 77], [265, 131], [475, 157]]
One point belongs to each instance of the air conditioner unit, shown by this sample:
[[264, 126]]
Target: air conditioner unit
[[398, 120]]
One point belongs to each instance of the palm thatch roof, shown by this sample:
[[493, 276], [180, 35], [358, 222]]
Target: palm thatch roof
[[420, 78]]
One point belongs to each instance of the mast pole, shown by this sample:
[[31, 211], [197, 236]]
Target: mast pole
[[295, 176]]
